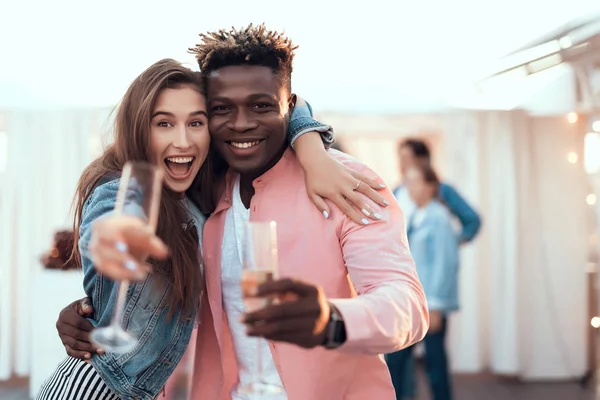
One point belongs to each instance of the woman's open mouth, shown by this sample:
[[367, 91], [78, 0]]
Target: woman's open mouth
[[179, 167]]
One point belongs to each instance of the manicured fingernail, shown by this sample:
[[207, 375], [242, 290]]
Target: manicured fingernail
[[121, 246], [100, 351], [387, 203], [377, 216], [364, 211], [87, 356], [131, 265], [326, 214], [381, 185], [364, 221]]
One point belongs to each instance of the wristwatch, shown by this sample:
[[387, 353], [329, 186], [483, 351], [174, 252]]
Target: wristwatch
[[335, 331]]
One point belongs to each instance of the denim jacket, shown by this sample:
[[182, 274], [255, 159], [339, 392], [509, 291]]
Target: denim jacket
[[143, 372], [434, 247]]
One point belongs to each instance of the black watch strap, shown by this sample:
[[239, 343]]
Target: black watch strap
[[335, 334]]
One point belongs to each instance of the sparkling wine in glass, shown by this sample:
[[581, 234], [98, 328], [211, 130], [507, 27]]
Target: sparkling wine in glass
[[139, 196], [259, 265]]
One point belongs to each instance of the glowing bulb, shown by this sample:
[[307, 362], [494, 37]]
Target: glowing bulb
[[596, 126], [591, 199], [572, 117], [572, 157], [596, 322]]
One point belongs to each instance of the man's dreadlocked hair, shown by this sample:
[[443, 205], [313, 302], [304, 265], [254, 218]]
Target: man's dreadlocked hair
[[253, 45]]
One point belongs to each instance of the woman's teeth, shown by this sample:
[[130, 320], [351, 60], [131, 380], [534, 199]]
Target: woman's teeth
[[180, 160], [244, 145]]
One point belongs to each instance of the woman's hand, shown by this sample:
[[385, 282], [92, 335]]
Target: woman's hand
[[436, 321], [120, 245], [326, 178]]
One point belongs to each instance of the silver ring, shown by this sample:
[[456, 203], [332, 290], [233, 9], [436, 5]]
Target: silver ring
[[357, 185]]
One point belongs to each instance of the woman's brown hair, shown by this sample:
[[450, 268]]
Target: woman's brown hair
[[430, 177], [181, 271]]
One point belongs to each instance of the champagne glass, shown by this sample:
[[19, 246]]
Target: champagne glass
[[259, 265], [139, 195]]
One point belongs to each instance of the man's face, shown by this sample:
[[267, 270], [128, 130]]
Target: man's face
[[249, 115]]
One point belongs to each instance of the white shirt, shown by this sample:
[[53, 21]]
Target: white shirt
[[231, 275]]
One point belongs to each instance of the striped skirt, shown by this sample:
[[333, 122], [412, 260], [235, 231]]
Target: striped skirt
[[75, 379]]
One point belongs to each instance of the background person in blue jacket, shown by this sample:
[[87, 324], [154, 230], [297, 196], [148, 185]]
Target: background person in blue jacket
[[415, 152], [434, 246]]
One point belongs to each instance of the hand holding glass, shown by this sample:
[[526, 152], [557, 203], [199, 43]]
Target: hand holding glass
[[139, 196], [259, 265]]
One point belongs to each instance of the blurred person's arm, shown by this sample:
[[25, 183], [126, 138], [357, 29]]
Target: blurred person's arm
[[468, 217]]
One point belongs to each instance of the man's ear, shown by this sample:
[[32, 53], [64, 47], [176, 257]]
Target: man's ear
[[292, 103]]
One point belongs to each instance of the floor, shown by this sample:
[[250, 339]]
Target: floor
[[479, 387]]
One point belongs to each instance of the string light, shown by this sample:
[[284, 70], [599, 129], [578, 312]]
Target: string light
[[595, 322], [572, 157], [572, 117], [591, 199]]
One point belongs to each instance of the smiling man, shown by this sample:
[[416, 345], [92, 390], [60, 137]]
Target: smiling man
[[357, 294]]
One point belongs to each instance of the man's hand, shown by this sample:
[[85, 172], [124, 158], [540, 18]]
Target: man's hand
[[436, 320], [74, 329], [300, 317]]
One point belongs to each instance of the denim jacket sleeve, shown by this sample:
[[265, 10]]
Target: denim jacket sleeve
[[302, 121], [469, 219], [99, 204]]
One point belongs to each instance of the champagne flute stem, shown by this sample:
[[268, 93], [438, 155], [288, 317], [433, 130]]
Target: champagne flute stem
[[120, 305]]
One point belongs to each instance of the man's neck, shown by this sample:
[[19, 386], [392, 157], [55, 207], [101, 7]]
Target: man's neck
[[246, 188]]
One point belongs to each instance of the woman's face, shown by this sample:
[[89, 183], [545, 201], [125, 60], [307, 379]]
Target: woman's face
[[419, 191], [179, 138]]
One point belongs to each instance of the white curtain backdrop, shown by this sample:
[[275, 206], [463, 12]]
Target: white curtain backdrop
[[47, 150], [523, 290], [526, 272]]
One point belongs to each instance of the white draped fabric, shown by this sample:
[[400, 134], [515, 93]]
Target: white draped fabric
[[522, 282], [47, 151], [526, 273]]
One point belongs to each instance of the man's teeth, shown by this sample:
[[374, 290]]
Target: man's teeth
[[244, 145], [180, 160]]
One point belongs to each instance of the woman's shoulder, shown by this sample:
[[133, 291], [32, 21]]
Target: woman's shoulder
[[103, 193], [106, 187]]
